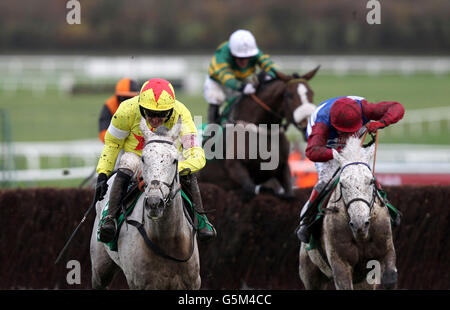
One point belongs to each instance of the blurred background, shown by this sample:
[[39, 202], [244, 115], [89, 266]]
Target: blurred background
[[55, 75]]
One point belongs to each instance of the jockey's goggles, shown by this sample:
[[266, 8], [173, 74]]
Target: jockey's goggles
[[155, 114]]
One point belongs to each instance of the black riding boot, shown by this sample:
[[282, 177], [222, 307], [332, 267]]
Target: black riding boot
[[213, 113], [108, 227], [303, 232], [189, 184]]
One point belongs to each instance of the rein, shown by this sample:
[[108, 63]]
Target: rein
[[269, 109], [369, 204], [376, 146], [140, 226]]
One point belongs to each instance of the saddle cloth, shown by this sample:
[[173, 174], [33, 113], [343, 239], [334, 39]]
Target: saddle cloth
[[129, 202]]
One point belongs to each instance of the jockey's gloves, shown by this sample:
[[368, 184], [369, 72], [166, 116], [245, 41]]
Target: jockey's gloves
[[249, 89]]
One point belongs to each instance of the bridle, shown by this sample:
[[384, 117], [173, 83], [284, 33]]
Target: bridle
[[372, 183], [275, 113], [172, 194], [166, 201]]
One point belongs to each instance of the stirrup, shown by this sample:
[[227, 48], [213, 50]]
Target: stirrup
[[207, 233], [107, 233]]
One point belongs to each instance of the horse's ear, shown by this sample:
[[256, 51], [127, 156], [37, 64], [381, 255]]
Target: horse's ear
[[145, 130], [338, 157], [283, 77], [308, 76], [174, 133]]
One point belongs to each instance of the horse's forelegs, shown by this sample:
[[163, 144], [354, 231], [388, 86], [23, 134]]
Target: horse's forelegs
[[239, 174], [342, 274], [389, 270], [310, 274], [284, 176], [103, 267]]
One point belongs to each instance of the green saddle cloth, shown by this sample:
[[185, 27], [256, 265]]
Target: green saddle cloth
[[202, 221]]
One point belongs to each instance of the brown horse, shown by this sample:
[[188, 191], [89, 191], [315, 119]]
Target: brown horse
[[253, 145]]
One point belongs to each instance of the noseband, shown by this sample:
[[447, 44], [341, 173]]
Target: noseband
[[369, 204]]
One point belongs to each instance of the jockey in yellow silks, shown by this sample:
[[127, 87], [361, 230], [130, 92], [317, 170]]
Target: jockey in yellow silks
[[157, 104]]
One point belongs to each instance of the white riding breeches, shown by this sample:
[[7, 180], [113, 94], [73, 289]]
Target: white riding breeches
[[130, 161], [325, 172], [215, 93]]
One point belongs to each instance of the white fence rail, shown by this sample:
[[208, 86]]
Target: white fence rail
[[41, 73], [431, 121], [391, 158]]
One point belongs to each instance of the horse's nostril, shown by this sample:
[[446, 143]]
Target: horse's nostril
[[153, 202], [351, 224], [366, 223]]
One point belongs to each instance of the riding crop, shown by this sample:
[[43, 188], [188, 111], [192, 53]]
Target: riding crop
[[76, 229]]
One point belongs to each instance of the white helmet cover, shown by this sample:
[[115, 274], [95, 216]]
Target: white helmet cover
[[243, 44]]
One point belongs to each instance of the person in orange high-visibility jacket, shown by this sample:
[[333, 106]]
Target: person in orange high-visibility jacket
[[156, 103], [302, 169], [125, 89]]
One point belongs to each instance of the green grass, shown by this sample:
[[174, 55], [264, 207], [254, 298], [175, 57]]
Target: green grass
[[55, 117]]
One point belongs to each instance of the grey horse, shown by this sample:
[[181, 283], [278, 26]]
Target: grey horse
[[356, 237], [160, 210]]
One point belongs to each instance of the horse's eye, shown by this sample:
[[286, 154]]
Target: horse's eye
[[175, 161]]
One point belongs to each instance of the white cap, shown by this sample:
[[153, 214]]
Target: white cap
[[243, 44]]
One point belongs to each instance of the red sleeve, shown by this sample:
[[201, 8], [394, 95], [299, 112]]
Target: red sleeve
[[388, 111], [316, 149]]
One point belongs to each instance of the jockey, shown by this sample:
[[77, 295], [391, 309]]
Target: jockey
[[125, 89], [156, 103], [234, 61], [333, 121]]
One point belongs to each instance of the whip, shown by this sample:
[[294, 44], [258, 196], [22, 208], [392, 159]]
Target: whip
[[76, 229]]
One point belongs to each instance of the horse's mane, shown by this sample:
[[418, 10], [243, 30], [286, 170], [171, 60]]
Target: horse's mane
[[162, 131], [352, 150]]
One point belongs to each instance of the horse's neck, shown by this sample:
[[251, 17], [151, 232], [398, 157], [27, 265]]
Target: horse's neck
[[250, 111]]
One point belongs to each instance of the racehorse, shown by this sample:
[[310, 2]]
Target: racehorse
[[287, 98], [356, 245], [162, 253]]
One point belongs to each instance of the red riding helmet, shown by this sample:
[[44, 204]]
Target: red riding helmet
[[346, 115]]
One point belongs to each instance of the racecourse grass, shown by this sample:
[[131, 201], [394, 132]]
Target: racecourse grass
[[59, 117]]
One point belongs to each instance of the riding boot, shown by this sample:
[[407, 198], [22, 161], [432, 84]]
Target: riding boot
[[213, 113], [303, 232], [108, 227], [189, 184]]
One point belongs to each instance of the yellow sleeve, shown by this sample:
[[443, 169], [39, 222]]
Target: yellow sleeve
[[117, 132], [194, 155]]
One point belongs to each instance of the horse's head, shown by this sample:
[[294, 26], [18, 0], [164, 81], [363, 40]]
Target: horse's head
[[159, 167], [298, 99], [357, 185]]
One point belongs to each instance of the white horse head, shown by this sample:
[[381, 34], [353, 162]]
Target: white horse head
[[159, 167], [357, 185]]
